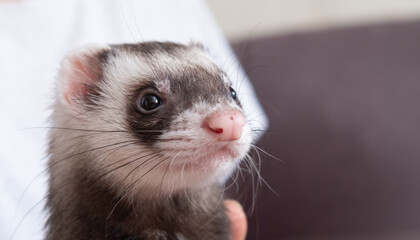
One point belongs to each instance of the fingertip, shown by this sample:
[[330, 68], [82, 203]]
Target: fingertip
[[237, 217]]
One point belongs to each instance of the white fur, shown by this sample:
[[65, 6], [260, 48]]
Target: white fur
[[198, 156]]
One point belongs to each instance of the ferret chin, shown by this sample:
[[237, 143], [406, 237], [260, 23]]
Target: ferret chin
[[143, 137]]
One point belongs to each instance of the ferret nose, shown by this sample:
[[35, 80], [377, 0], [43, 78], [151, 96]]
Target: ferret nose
[[226, 124]]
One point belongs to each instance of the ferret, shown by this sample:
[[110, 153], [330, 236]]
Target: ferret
[[143, 137]]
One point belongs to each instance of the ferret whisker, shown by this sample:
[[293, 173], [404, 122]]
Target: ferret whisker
[[125, 158], [238, 173], [256, 182], [43, 199], [257, 130], [136, 169], [163, 177], [170, 173], [131, 187], [256, 133], [88, 151], [112, 151], [182, 170], [253, 117], [231, 55], [254, 121], [139, 165], [120, 166], [254, 185], [19, 201], [213, 216], [175, 140], [24, 217], [244, 170], [234, 178], [219, 202], [257, 169], [151, 169], [68, 181], [38, 175], [262, 180], [256, 166], [78, 115], [115, 206], [247, 74], [169, 166], [136, 21], [36, 204], [266, 153], [82, 136], [238, 70], [253, 68], [132, 204], [190, 201], [128, 26], [244, 46], [97, 130]]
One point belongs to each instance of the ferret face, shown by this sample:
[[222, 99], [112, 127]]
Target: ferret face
[[165, 116]]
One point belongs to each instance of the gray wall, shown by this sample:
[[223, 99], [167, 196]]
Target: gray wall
[[242, 19]]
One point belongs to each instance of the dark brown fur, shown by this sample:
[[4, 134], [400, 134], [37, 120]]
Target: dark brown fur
[[86, 208]]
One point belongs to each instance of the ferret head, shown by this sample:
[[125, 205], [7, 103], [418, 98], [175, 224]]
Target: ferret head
[[149, 118]]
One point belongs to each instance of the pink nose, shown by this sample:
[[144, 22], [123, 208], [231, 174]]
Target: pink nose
[[226, 124]]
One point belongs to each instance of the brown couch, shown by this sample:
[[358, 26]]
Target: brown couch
[[344, 111]]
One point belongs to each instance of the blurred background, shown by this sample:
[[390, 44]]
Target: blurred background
[[340, 83]]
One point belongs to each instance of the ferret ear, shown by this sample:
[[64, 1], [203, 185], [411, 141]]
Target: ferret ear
[[81, 71]]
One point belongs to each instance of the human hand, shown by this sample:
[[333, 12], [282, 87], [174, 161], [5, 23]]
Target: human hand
[[237, 217]]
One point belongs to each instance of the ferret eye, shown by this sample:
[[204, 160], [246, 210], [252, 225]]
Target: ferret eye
[[233, 93], [149, 103]]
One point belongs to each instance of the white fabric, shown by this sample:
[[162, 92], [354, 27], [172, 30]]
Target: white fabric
[[34, 36]]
